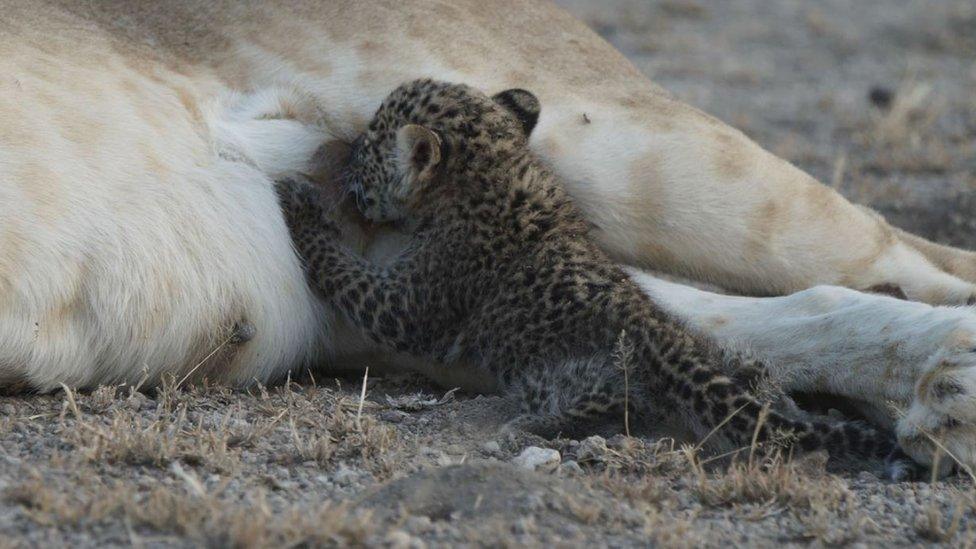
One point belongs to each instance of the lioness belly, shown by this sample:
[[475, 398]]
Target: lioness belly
[[137, 238]]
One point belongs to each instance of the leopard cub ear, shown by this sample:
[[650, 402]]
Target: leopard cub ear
[[523, 104], [418, 151]]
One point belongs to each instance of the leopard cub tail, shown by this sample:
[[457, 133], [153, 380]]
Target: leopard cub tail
[[687, 370]]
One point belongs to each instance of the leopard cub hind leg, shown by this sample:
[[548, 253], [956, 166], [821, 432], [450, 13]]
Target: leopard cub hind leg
[[567, 398]]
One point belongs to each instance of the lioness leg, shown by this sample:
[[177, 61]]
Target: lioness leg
[[957, 262], [683, 193], [904, 364]]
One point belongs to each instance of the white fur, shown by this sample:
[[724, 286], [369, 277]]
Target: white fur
[[142, 277]]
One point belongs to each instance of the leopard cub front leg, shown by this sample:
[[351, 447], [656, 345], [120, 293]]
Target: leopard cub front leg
[[377, 300], [313, 231]]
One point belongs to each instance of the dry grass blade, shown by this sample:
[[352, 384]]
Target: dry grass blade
[[715, 429], [911, 112], [193, 484], [71, 402], [754, 443], [319, 449], [362, 399], [929, 524], [840, 166], [940, 447], [623, 355], [256, 432], [205, 359]]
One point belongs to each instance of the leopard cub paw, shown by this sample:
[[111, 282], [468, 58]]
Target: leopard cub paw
[[305, 206]]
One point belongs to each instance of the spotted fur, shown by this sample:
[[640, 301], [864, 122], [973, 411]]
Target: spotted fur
[[502, 273]]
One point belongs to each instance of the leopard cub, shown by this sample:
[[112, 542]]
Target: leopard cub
[[502, 274]]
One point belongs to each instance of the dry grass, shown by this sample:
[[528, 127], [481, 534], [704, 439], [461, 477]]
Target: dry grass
[[318, 425], [130, 439], [215, 467], [831, 527], [773, 479], [622, 455], [253, 524], [650, 490], [201, 429], [651, 477], [205, 518], [344, 435], [317, 448], [933, 526], [50, 507], [903, 138], [671, 529], [913, 112]]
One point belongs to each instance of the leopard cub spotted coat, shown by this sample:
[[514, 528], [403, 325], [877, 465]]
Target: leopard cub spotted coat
[[501, 274]]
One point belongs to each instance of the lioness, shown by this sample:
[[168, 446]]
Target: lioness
[[139, 233]]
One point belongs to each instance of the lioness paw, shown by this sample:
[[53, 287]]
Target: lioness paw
[[939, 427]]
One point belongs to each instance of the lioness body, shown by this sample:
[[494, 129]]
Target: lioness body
[[139, 140]]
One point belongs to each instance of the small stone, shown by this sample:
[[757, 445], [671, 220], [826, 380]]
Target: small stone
[[621, 443], [881, 96], [456, 449], [592, 449], [491, 447], [398, 539], [418, 524], [533, 458], [137, 401], [393, 416], [866, 477], [524, 525], [435, 456], [345, 476], [9, 410], [570, 468]]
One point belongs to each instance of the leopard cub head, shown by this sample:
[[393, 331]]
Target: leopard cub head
[[425, 134]]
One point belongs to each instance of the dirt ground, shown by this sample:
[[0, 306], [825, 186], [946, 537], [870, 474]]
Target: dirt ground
[[874, 97]]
